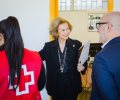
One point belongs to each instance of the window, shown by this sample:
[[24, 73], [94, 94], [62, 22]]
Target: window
[[83, 5], [64, 5]]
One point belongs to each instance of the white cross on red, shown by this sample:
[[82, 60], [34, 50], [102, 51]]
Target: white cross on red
[[25, 75]]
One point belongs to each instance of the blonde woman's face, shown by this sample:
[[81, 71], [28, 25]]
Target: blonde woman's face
[[63, 31]]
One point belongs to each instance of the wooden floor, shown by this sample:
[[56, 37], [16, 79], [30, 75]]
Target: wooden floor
[[84, 96], [87, 85]]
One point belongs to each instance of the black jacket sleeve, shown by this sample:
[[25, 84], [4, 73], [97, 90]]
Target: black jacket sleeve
[[41, 79]]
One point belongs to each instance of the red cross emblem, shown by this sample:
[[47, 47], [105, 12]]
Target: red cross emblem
[[27, 79]]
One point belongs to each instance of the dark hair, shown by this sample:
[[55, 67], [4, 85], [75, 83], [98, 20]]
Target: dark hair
[[13, 47]]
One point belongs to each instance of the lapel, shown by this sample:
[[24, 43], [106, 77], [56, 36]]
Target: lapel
[[71, 47], [54, 53], [70, 50]]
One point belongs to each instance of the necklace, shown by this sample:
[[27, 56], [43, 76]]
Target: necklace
[[62, 61]]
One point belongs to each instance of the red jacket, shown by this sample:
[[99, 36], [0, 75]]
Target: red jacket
[[27, 89]]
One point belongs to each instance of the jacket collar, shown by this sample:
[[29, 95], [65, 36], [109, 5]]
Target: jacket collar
[[54, 43], [113, 41]]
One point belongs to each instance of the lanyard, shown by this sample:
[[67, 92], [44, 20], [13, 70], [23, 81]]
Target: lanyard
[[62, 61]]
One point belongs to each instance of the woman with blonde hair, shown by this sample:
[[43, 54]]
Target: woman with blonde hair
[[61, 56]]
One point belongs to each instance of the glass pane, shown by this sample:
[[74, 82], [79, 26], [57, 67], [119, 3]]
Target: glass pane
[[62, 0], [105, 5], [99, 4], [84, 0], [63, 6], [94, 5], [68, 4], [89, 4], [77, 4], [94, 0], [105, 0], [84, 5]]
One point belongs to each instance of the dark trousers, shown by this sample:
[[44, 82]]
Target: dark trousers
[[66, 96], [64, 89]]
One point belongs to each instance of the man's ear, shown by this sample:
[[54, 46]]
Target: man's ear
[[109, 27]]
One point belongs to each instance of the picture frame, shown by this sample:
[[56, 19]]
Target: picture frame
[[93, 18]]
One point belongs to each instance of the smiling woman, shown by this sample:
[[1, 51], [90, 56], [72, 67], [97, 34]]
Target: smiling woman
[[61, 57]]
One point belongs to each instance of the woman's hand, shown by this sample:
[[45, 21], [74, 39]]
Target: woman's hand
[[80, 67]]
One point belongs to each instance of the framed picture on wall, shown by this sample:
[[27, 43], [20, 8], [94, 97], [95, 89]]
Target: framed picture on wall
[[93, 18]]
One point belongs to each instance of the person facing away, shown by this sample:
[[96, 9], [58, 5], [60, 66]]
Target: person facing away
[[61, 56], [21, 70], [106, 67]]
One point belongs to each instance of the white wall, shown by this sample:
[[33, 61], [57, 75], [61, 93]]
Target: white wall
[[33, 16], [116, 5]]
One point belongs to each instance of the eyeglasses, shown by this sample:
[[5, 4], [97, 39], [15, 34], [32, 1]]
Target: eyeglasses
[[99, 24]]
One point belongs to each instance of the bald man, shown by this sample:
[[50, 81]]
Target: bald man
[[106, 67]]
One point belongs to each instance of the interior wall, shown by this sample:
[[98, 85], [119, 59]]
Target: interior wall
[[79, 21], [33, 16], [33, 22]]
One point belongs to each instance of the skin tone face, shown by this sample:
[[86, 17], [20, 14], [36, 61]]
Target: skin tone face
[[103, 29], [111, 29], [63, 31]]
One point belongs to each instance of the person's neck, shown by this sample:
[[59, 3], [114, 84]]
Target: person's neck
[[62, 43]]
